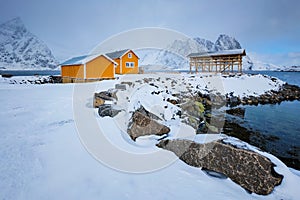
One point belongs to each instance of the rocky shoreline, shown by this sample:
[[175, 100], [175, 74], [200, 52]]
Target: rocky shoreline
[[286, 93], [206, 114], [37, 80]]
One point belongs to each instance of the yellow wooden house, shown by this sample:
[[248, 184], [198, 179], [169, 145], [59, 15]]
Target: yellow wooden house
[[128, 61], [88, 68]]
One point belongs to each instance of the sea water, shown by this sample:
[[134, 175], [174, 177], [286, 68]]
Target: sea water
[[281, 122], [30, 72]]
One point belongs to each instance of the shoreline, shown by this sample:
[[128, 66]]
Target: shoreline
[[286, 92]]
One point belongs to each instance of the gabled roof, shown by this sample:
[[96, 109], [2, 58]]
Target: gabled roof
[[117, 54], [74, 61], [80, 60], [219, 53]]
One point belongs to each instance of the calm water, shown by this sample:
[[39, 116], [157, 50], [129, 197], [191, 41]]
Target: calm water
[[30, 72], [280, 122]]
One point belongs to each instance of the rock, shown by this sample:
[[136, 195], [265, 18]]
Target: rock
[[142, 125], [106, 110], [240, 112], [211, 128], [105, 95], [233, 101], [6, 75], [147, 113], [274, 79], [172, 101], [249, 169], [193, 108], [120, 86], [206, 127], [202, 128], [55, 79], [217, 100], [101, 97], [97, 101], [128, 83], [192, 121]]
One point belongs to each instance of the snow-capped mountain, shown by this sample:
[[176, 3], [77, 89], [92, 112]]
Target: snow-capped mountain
[[153, 59], [207, 45], [174, 57], [225, 42], [290, 68], [20, 49], [185, 47]]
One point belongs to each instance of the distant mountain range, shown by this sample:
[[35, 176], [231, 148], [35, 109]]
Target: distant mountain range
[[20, 49], [174, 57]]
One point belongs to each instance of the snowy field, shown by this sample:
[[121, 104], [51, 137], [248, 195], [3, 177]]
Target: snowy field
[[42, 156]]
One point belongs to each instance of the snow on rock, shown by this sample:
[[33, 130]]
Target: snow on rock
[[25, 80], [249, 169], [225, 42], [249, 85], [207, 45], [20, 49]]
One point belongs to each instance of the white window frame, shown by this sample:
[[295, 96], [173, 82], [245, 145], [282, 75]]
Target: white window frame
[[129, 64], [129, 55]]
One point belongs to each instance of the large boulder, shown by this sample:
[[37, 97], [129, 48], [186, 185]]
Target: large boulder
[[142, 125], [142, 110], [249, 169]]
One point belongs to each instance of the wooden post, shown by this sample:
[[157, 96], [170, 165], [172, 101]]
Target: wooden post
[[240, 63]]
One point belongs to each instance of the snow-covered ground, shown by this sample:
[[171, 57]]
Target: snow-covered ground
[[42, 155]]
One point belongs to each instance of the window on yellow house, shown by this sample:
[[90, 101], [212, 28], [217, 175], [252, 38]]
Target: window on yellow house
[[129, 64]]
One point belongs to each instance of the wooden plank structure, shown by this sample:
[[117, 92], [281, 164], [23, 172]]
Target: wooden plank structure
[[218, 61]]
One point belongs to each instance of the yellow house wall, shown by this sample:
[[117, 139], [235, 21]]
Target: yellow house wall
[[73, 71], [117, 60], [100, 67], [126, 70]]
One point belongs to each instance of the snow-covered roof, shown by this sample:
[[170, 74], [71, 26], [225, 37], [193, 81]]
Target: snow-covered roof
[[117, 54], [219, 53], [74, 61], [79, 60]]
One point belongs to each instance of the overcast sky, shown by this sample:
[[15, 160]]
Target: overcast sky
[[270, 29]]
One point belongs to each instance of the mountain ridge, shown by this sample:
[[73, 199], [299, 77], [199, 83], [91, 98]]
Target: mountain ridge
[[20, 49], [175, 55]]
